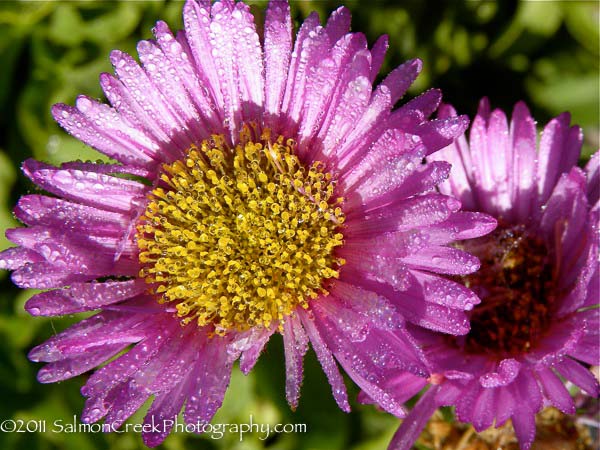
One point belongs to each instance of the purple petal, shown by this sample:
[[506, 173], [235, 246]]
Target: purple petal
[[445, 292], [445, 260], [296, 345], [101, 127], [417, 211], [377, 55], [523, 134], [523, 421], [250, 344], [507, 372], [83, 297], [505, 405], [97, 331], [425, 103], [338, 24], [15, 258], [192, 82], [43, 275], [592, 170], [311, 44], [78, 364], [587, 349], [579, 375], [210, 379], [119, 370], [560, 146], [327, 362], [555, 391], [460, 225], [160, 69], [61, 214], [484, 409], [89, 188], [164, 411], [124, 401], [401, 78], [75, 253], [458, 154], [413, 424], [278, 45]]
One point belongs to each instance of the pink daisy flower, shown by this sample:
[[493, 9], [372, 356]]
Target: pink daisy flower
[[538, 321], [261, 187]]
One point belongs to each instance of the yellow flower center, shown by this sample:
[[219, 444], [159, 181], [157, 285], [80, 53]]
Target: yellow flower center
[[240, 237]]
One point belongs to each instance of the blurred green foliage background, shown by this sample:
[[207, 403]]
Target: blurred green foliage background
[[543, 52]]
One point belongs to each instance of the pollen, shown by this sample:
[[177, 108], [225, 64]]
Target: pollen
[[239, 236], [517, 289]]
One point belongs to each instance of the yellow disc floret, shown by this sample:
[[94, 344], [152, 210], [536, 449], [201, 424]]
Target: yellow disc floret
[[240, 237]]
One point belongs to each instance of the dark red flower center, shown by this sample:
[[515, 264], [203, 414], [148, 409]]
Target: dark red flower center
[[517, 291]]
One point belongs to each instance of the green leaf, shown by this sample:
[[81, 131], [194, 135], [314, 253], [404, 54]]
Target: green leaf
[[7, 179]]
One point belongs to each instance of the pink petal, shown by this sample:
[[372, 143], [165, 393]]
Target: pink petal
[[555, 391], [377, 55], [370, 125], [523, 421], [438, 133], [61, 214], [445, 260], [458, 154], [15, 258], [425, 104], [401, 78], [338, 24], [196, 20], [311, 42], [350, 103], [592, 170], [295, 343], [46, 276], [560, 147], [147, 102], [413, 424], [278, 45], [423, 179], [210, 378], [327, 362], [83, 297], [523, 134], [192, 81], [97, 331], [89, 188], [416, 211], [101, 127], [460, 225], [160, 70], [579, 375], [78, 364], [507, 372]]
